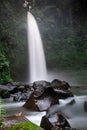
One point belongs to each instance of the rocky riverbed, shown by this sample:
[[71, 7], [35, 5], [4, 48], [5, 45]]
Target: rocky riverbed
[[55, 98]]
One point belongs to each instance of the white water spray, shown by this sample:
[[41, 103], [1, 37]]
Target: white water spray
[[37, 63], [75, 113]]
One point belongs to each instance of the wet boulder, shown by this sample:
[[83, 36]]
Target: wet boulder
[[73, 111], [21, 96], [46, 94], [46, 124], [48, 98], [31, 103], [85, 106], [16, 89], [42, 97], [54, 122], [39, 87], [20, 88], [42, 102], [62, 85], [57, 85], [8, 87], [21, 92]]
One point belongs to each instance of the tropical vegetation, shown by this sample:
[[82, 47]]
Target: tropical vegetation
[[63, 29]]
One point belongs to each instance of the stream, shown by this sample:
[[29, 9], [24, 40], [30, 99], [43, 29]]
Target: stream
[[78, 117], [13, 108]]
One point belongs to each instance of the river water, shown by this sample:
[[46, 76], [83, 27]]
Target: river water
[[12, 108], [78, 117], [76, 112]]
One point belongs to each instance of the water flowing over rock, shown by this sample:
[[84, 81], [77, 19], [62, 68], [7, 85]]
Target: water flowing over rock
[[45, 95], [72, 110], [85, 106], [50, 124]]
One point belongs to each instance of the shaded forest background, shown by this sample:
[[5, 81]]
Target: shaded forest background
[[63, 27]]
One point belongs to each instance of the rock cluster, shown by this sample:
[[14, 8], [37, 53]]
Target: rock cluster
[[42, 96], [46, 94]]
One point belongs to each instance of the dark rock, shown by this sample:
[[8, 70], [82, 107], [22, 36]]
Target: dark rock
[[49, 92], [29, 86], [59, 124], [85, 106], [15, 90], [45, 96], [54, 95], [61, 85], [40, 87], [21, 88], [17, 83], [48, 98], [45, 123], [6, 87], [21, 96], [21, 92], [31, 103], [62, 122], [44, 101], [71, 102], [58, 84]]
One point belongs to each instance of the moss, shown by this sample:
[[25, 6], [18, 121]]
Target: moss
[[25, 126]]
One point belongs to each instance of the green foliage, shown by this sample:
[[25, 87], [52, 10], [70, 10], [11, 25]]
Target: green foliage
[[13, 35], [2, 113], [63, 32], [4, 70], [4, 94], [67, 52], [25, 126]]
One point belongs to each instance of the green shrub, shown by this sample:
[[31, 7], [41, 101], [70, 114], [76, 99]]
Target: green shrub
[[4, 70], [4, 94], [2, 113]]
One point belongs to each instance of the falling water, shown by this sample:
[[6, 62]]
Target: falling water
[[37, 63]]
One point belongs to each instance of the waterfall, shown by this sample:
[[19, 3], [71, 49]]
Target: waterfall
[[37, 63]]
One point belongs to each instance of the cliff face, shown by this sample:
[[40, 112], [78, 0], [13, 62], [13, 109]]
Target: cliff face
[[63, 28], [68, 11]]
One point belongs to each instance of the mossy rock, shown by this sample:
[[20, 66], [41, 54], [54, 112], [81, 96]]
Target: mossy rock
[[25, 126], [4, 94]]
